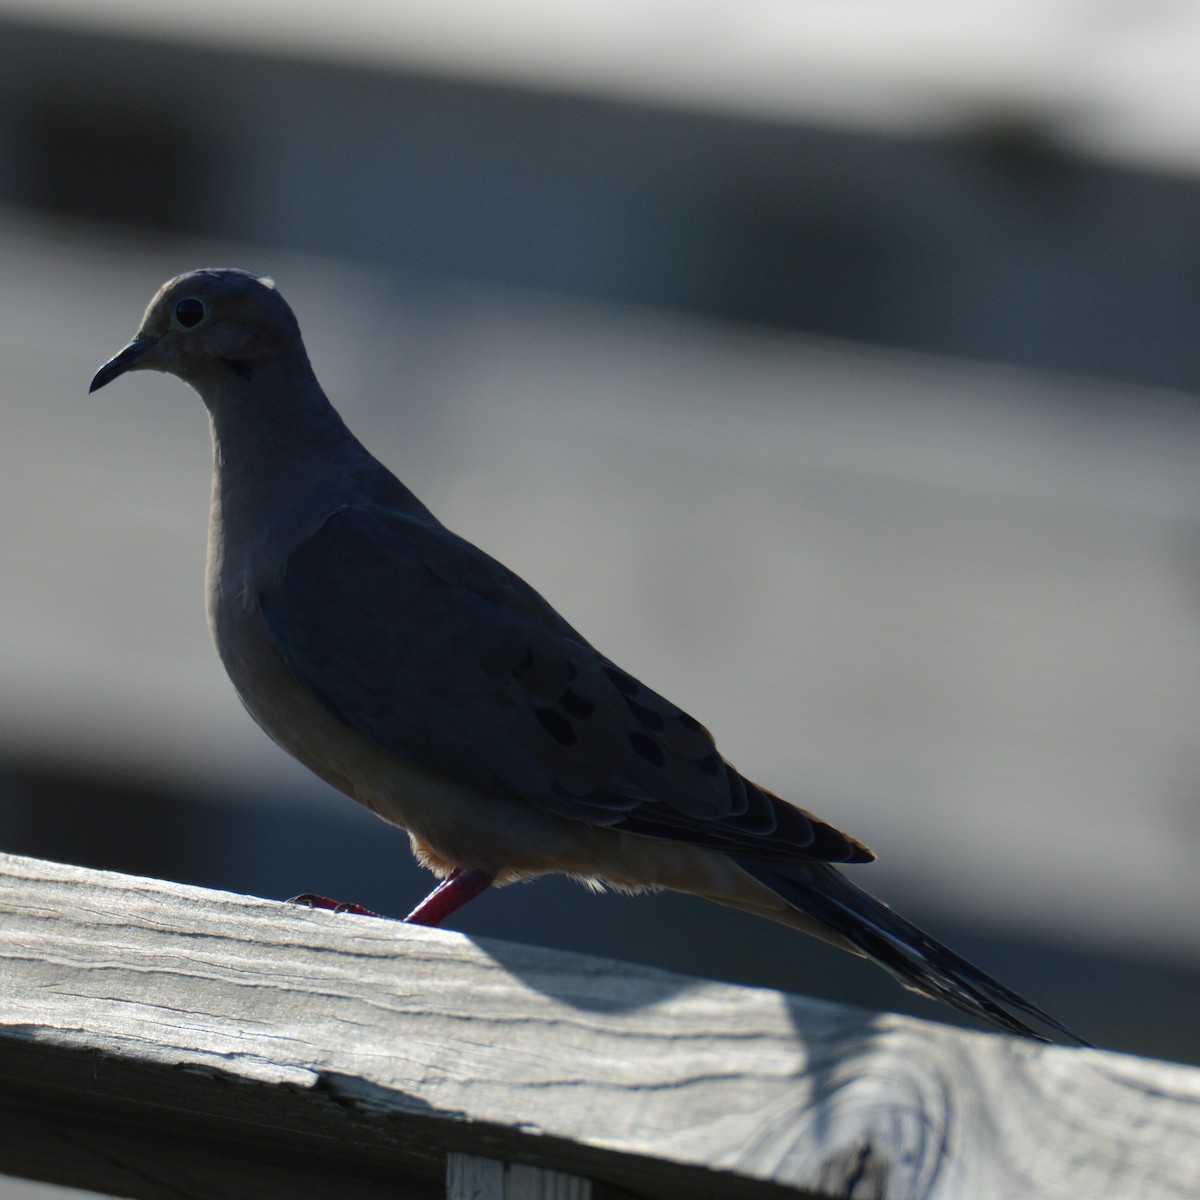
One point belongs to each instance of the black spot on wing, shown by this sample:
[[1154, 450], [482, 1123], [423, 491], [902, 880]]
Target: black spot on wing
[[575, 705], [625, 684], [646, 747], [542, 670], [710, 764], [644, 716], [556, 725]]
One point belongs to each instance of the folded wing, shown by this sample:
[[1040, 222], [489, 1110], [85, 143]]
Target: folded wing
[[443, 656]]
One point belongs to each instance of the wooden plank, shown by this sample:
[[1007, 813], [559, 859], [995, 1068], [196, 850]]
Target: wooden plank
[[144, 1023]]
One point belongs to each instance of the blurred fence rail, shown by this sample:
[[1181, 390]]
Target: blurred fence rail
[[158, 1040]]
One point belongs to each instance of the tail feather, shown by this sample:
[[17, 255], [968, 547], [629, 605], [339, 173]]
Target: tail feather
[[919, 962]]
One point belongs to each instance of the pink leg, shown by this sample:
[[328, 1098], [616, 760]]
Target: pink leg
[[459, 887]]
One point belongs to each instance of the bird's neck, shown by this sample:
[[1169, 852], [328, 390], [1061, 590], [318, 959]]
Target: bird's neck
[[279, 421], [282, 461]]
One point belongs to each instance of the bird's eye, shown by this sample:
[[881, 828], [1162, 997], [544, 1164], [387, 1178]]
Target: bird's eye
[[190, 312]]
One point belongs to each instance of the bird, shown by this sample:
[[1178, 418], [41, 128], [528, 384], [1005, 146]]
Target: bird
[[422, 678]]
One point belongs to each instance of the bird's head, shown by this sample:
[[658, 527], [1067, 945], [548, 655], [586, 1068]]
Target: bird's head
[[212, 326]]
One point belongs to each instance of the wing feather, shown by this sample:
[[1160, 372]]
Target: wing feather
[[443, 656]]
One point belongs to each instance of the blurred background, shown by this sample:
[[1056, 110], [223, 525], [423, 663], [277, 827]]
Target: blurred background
[[832, 367]]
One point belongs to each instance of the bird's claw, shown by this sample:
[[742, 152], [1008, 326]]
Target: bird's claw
[[312, 900]]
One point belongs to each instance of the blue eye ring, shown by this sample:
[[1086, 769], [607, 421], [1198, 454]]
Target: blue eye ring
[[190, 312]]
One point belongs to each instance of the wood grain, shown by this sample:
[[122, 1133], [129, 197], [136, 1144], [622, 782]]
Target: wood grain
[[144, 1023]]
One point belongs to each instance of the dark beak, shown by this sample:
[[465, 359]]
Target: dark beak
[[128, 360]]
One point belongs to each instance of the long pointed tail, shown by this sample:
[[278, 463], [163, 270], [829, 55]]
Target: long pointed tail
[[919, 962]]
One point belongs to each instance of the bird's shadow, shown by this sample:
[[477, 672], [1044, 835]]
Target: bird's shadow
[[833, 1104]]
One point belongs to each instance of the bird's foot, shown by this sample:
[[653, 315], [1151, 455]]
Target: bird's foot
[[460, 886], [312, 900]]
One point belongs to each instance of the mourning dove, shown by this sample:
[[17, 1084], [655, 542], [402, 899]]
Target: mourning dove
[[425, 680]]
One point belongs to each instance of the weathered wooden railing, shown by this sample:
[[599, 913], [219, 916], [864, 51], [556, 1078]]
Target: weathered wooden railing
[[162, 1041]]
